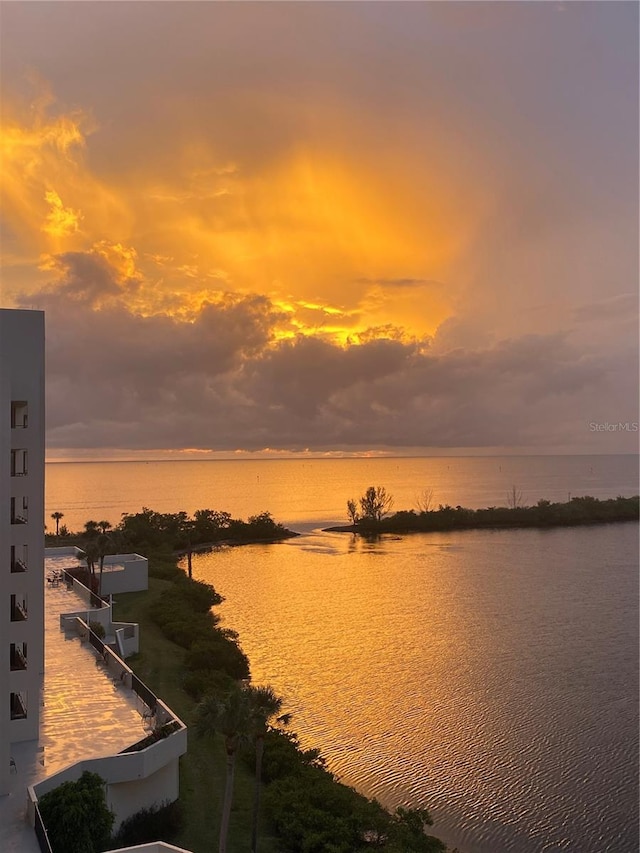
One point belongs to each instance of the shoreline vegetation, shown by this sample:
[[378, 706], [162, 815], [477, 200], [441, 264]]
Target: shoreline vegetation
[[201, 671], [370, 516]]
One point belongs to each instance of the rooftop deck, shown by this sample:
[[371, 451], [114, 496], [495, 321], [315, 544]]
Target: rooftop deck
[[84, 715]]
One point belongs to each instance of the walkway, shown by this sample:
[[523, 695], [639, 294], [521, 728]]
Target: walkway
[[84, 716]]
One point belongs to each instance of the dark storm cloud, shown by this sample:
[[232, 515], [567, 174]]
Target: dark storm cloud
[[344, 158], [104, 360], [224, 382], [621, 306]]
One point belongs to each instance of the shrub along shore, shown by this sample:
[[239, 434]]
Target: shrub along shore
[[372, 516], [189, 660]]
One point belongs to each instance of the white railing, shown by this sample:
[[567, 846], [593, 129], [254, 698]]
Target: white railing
[[124, 768]]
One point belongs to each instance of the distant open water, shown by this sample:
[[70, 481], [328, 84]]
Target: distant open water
[[489, 675]]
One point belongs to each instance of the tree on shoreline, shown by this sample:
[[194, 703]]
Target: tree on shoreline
[[266, 705], [233, 717], [514, 498], [56, 516], [375, 503], [424, 501], [577, 511], [352, 512]]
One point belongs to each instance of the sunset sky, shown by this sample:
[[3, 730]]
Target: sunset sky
[[325, 227]]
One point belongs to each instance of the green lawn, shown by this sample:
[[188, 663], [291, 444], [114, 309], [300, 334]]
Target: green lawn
[[202, 769]]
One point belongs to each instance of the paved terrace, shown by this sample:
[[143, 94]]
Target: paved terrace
[[84, 715]]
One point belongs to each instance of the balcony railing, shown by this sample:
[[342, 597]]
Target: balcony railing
[[19, 415], [19, 510], [19, 463], [41, 832], [18, 707], [18, 612], [18, 659]]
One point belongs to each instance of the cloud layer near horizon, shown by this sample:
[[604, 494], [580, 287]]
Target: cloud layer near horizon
[[223, 381], [326, 225]]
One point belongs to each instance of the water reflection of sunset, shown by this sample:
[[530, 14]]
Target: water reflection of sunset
[[425, 669]]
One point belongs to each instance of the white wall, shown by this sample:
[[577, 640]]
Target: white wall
[[132, 577], [134, 780], [127, 798], [21, 378]]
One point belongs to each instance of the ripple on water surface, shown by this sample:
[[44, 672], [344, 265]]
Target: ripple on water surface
[[491, 676]]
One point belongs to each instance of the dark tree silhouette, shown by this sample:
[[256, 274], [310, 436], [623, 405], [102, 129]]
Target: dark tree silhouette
[[375, 503], [231, 716], [56, 517]]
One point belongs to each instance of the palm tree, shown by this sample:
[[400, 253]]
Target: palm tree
[[91, 554], [104, 544], [265, 705], [185, 534], [91, 529], [56, 517], [231, 716]]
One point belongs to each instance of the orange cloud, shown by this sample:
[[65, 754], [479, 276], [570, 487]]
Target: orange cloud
[[313, 228], [61, 221]]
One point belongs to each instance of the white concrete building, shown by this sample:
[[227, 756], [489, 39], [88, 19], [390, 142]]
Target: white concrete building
[[21, 531], [88, 710]]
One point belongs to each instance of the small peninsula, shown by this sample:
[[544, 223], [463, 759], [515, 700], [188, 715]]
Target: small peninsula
[[370, 516]]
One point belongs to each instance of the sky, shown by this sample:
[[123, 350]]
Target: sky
[[327, 227]]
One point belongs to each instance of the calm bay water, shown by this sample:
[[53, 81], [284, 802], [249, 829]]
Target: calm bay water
[[489, 675], [314, 492]]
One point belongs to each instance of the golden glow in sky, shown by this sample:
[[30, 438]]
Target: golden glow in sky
[[325, 226], [332, 243]]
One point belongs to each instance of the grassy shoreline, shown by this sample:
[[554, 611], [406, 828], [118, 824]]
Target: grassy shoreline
[[306, 807], [186, 658], [160, 664]]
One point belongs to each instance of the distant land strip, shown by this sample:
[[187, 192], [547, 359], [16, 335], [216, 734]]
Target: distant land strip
[[577, 511]]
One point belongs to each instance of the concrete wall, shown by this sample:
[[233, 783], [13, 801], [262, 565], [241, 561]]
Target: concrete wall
[[126, 633], [135, 780], [121, 572], [66, 551], [127, 636], [21, 380], [125, 573], [127, 798]]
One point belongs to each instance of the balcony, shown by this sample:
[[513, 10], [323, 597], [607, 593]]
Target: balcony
[[84, 681], [19, 510], [19, 414], [18, 610], [18, 706], [18, 560], [19, 463], [18, 656]]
